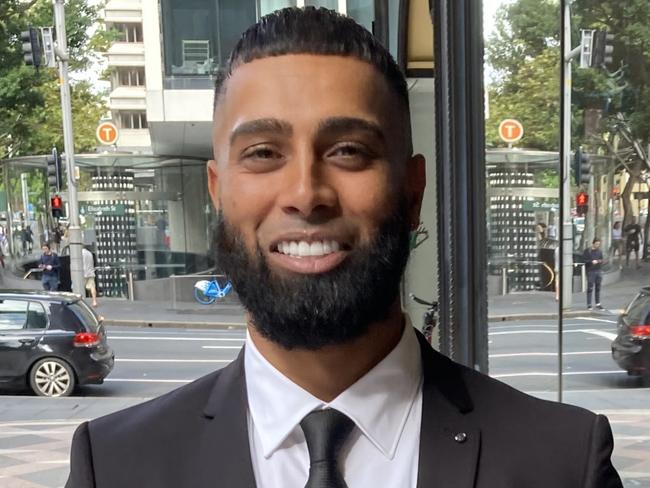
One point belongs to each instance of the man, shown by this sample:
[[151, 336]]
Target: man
[[316, 189], [50, 265], [632, 241], [594, 263], [89, 273]]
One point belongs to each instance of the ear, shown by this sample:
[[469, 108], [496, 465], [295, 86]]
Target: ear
[[416, 180], [213, 182]]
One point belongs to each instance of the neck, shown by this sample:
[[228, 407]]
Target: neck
[[327, 372]]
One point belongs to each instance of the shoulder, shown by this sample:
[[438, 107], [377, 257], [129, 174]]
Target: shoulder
[[154, 421]]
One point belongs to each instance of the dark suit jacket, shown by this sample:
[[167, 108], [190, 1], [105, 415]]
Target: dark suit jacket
[[476, 432]]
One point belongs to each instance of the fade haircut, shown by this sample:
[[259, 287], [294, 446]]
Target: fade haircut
[[310, 30]]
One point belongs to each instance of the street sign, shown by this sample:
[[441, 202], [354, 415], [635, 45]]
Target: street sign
[[102, 209], [107, 133], [532, 206], [510, 130]]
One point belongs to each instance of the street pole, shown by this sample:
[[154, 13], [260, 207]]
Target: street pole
[[74, 231]]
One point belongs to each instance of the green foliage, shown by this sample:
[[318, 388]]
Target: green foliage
[[30, 107]]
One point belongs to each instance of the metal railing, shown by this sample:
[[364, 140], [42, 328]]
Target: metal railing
[[506, 270]]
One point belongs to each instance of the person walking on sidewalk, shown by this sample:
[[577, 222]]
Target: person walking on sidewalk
[[594, 263], [633, 238], [50, 265], [89, 273]]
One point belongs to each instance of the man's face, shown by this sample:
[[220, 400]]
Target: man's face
[[46, 250], [596, 245], [311, 168]]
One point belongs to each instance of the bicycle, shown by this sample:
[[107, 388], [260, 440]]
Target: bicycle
[[206, 292], [429, 318]]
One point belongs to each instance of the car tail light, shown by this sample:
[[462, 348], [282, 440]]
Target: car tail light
[[86, 339], [640, 330]]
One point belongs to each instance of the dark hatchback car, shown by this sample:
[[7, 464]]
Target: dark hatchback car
[[51, 342], [631, 348]]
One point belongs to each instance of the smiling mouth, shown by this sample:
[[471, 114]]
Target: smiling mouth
[[304, 249]]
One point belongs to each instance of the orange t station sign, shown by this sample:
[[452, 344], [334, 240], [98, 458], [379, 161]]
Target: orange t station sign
[[107, 133], [510, 130]]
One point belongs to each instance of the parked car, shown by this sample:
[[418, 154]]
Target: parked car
[[631, 348], [51, 342]]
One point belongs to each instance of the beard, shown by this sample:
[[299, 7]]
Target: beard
[[313, 311]]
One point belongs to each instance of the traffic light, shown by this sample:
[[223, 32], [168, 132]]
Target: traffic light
[[581, 168], [602, 49], [582, 203], [54, 171], [32, 52], [57, 206]]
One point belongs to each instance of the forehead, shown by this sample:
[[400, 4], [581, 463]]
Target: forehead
[[303, 87]]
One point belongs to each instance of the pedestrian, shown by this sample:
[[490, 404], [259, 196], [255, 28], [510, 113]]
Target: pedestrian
[[632, 241], [28, 236], [617, 240], [316, 188], [50, 266], [593, 258], [89, 274]]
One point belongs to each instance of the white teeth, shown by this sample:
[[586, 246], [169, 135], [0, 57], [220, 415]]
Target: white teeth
[[304, 249], [316, 249]]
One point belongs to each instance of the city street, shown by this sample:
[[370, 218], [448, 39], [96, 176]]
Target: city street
[[35, 432]]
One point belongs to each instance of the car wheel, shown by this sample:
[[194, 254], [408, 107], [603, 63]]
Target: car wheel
[[52, 377]]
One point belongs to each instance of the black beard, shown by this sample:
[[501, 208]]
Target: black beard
[[312, 311]]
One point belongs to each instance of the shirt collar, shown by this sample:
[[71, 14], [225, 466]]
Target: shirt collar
[[379, 403]]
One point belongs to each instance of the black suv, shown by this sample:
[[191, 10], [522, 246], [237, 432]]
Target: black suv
[[51, 342], [631, 348]]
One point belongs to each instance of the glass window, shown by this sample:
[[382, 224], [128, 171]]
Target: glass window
[[129, 32], [13, 314], [133, 120], [131, 76], [363, 11], [36, 316], [198, 35], [268, 6], [85, 315]]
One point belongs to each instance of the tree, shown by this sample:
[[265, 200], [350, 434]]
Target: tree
[[30, 112]]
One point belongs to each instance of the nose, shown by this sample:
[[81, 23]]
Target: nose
[[308, 192]]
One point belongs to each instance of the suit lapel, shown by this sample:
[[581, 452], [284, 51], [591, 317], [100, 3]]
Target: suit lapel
[[449, 443], [225, 445]]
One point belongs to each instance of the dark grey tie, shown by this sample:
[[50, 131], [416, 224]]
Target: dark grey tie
[[325, 432]]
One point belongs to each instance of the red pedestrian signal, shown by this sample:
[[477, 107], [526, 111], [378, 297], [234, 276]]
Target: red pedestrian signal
[[582, 203], [57, 206]]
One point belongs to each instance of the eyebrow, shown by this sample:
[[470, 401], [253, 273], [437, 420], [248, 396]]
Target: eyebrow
[[350, 124], [269, 125]]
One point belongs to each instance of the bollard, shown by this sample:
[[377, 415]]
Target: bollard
[[129, 284], [504, 280], [583, 275]]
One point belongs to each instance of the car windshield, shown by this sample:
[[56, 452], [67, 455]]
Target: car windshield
[[637, 312], [85, 315]]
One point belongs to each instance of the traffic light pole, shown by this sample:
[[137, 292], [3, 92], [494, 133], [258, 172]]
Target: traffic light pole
[[76, 265]]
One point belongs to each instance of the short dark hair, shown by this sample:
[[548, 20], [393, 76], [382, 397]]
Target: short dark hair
[[595, 240], [310, 30]]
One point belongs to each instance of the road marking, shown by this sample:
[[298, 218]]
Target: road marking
[[222, 347], [147, 338], [135, 360], [134, 380], [590, 319], [601, 333], [39, 422], [517, 354], [565, 373]]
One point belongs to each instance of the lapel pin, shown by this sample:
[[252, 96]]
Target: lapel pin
[[460, 437]]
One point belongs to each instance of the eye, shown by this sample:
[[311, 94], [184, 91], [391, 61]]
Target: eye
[[261, 152], [350, 156], [348, 150]]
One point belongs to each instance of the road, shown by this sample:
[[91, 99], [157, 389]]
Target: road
[[35, 432]]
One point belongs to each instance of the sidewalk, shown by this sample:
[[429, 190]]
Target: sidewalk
[[117, 311], [542, 305]]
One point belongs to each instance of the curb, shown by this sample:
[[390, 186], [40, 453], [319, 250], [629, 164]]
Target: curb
[[165, 324], [537, 316]]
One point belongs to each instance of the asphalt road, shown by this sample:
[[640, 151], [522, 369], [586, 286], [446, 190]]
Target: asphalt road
[[35, 432]]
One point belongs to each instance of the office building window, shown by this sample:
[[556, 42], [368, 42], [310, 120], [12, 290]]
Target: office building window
[[130, 76], [130, 32], [133, 120], [199, 34]]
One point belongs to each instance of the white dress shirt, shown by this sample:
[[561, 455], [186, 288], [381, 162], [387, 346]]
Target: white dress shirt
[[385, 405]]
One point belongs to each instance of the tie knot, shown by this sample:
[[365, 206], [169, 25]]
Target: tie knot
[[325, 432]]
